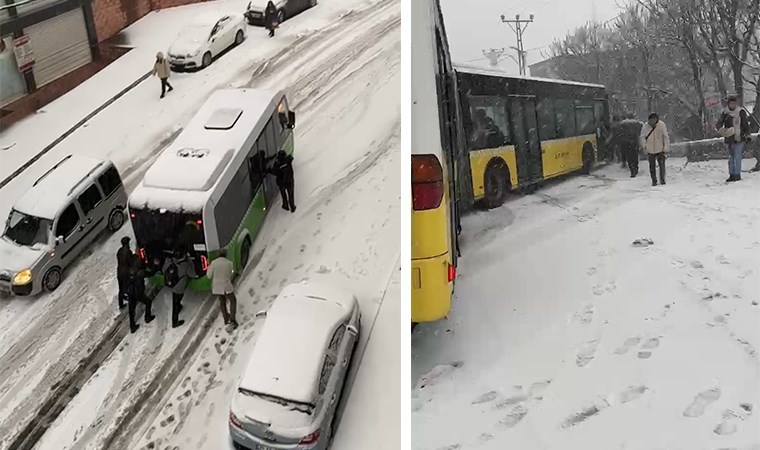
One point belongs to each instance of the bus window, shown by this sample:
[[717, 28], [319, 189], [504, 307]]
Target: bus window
[[585, 118], [273, 137], [490, 128], [565, 110], [547, 121], [233, 205]]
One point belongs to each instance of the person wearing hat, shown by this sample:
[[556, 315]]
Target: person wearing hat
[[734, 127], [123, 264], [161, 68], [655, 142]]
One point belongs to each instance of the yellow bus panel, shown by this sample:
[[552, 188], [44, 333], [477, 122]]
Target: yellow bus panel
[[431, 289], [561, 156], [479, 160], [430, 235]]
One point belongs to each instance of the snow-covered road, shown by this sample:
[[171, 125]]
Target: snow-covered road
[[339, 64], [565, 336]]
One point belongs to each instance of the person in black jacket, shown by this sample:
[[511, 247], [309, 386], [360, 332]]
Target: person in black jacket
[[735, 123], [270, 18], [282, 169], [123, 263], [137, 291]]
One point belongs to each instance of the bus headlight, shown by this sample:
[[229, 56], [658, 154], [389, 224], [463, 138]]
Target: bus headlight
[[22, 278]]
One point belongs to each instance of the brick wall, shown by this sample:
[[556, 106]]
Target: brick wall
[[112, 16]]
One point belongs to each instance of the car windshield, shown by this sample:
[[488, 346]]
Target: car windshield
[[27, 230], [195, 33], [306, 408]]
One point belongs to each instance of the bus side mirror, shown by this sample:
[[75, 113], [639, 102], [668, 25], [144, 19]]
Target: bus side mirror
[[291, 119]]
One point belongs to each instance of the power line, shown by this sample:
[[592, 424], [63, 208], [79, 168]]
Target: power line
[[519, 28]]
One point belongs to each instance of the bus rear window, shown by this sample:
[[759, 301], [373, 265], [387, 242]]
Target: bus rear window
[[159, 234]]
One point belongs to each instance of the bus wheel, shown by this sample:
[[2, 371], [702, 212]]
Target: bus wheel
[[588, 157], [496, 184], [245, 253]]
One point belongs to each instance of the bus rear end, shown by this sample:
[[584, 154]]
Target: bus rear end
[[433, 243], [158, 233]]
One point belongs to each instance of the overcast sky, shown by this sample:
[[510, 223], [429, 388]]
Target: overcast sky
[[474, 25]]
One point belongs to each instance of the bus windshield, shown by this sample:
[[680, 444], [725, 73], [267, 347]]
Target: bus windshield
[[159, 233]]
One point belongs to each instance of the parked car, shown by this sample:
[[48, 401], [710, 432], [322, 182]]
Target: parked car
[[287, 396], [56, 220], [286, 9], [200, 42]]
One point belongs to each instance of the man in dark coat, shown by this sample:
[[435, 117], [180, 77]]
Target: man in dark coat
[[270, 18], [282, 169], [137, 291], [123, 263], [629, 131]]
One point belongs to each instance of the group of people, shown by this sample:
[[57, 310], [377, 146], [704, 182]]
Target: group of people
[[179, 269], [653, 139]]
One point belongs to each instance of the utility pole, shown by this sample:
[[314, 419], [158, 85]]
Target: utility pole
[[518, 26], [493, 55]]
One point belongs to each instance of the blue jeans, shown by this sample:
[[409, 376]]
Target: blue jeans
[[735, 152]]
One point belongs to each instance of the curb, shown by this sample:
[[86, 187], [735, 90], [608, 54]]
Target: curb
[[71, 130]]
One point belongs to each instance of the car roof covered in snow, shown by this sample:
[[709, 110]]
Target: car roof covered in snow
[[499, 73], [185, 174], [54, 191], [287, 359]]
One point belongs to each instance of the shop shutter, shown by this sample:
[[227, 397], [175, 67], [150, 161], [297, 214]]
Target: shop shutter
[[60, 45]]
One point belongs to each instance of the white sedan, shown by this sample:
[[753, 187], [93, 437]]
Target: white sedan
[[200, 42]]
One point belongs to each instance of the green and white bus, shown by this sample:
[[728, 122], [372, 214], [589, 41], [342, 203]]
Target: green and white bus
[[209, 189]]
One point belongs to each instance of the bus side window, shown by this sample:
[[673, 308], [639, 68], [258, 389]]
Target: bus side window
[[547, 123], [565, 118], [490, 128], [272, 135]]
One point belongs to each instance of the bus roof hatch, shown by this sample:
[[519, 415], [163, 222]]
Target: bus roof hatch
[[223, 118]]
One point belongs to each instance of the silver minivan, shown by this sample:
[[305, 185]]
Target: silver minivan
[[56, 220]]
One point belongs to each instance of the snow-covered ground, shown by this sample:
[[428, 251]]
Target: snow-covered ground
[[339, 64], [565, 336]]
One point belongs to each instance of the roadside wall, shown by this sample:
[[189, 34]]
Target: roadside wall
[[112, 16]]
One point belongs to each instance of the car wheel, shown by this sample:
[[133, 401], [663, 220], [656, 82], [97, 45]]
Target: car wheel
[[239, 37], [206, 59], [496, 184], [52, 279], [245, 253], [116, 220]]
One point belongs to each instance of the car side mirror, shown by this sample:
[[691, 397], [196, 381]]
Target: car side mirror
[[291, 119], [261, 314], [352, 330], [59, 240]]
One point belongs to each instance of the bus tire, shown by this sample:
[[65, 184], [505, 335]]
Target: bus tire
[[245, 253], [588, 157], [496, 180]]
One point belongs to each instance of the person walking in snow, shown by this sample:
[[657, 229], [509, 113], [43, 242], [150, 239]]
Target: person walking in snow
[[735, 130], [137, 291], [123, 263], [282, 169], [162, 69], [655, 142], [629, 131], [177, 271], [220, 273], [270, 18]]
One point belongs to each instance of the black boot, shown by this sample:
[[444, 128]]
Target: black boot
[[134, 327], [730, 179], [654, 182]]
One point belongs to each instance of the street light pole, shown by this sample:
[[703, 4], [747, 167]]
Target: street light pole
[[519, 28]]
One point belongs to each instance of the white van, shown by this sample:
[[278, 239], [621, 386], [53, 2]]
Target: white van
[[56, 220]]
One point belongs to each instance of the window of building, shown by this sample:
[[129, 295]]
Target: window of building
[[490, 127]]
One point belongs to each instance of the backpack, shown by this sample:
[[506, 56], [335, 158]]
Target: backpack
[[171, 275]]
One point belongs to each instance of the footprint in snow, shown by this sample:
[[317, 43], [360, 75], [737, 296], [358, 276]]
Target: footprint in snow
[[647, 347], [701, 402], [485, 398], [514, 416], [632, 393], [627, 345], [585, 315], [586, 353], [538, 387], [581, 416], [697, 265], [439, 371], [510, 401], [727, 425]]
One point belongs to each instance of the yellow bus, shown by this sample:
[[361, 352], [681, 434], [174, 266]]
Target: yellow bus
[[520, 131], [435, 217]]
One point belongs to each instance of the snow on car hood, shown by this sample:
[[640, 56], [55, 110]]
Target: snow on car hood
[[259, 5], [16, 257], [184, 46]]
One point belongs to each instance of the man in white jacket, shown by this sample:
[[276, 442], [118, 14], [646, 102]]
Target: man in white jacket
[[220, 273], [655, 142]]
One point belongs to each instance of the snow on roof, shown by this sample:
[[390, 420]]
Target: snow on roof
[[288, 356], [53, 191], [186, 172], [499, 73]]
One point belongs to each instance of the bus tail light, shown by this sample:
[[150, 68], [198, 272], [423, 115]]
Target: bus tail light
[[204, 263], [427, 182], [452, 273], [142, 256]]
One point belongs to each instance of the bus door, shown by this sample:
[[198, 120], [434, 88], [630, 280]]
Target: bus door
[[269, 145], [527, 145]]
